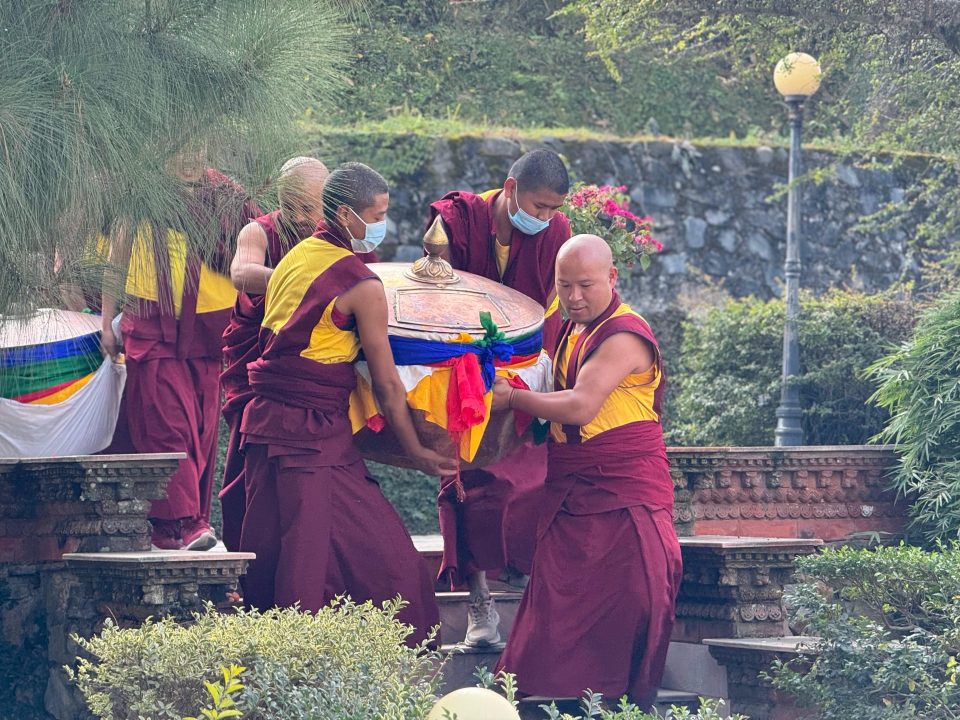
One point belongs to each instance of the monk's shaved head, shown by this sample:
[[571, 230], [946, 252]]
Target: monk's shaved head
[[541, 170], [303, 164], [300, 194], [300, 187], [588, 251], [586, 277]]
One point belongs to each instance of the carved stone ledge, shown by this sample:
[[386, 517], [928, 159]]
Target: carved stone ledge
[[827, 492], [89, 503], [745, 660], [733, 587], [135, 585]]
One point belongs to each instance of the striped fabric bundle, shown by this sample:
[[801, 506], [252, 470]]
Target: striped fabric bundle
[[58, 395], [49, 373], [449, 382]]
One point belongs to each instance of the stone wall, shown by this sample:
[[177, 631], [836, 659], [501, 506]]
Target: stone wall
[[712, 205]]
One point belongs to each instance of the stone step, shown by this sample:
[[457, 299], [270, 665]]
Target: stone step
[[462, 663], [453, 613]]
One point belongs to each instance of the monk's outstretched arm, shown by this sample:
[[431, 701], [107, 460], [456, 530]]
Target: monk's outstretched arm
[[620, 355], [368, 305], [248, 268], [118, 257]]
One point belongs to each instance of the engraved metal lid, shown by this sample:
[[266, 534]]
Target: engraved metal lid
[[442, 311]]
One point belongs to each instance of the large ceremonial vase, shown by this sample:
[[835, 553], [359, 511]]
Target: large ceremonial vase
[[450, 334]]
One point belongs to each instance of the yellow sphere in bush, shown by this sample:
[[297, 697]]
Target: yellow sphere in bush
[[474, 704]]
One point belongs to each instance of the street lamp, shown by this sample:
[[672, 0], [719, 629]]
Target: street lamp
[[797, 77]]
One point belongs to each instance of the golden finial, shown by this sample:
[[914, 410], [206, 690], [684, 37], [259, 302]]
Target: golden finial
[[433, 268]]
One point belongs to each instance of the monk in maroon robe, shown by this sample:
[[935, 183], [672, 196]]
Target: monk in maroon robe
[[261, 244], [176, 310], [600, 606], [510, 235], [318, 523]]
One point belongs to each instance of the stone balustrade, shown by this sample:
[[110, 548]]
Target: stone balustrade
[[821, 492], [90, 503], [74, 550], [733, 587]]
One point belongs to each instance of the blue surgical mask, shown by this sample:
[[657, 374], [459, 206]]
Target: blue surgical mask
[[373, 235], [524, 221]]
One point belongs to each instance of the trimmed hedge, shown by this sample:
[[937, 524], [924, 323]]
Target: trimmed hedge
[[726, 382], [889, 626]]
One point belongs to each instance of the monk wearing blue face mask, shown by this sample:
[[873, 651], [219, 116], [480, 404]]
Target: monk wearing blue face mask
[[512, 235], [318, 523]]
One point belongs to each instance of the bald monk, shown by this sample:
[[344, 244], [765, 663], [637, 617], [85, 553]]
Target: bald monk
[[599, 608], [177, 308], [510, 235], [319, 524], [261, 244]]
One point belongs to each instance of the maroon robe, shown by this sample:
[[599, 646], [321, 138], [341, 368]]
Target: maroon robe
[[240, 348], [317, 521], [172, 395], [607, 563], [476, 534]]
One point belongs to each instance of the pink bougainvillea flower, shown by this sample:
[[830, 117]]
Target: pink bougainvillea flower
[[610, 207]]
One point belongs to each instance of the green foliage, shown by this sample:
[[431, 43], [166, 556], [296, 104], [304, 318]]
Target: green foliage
[[224, 704], [919, 385], [396, 156], [514, 63], [592, 705], [412, 493], [605, 211], [343, 662], [726, 386], [890, 70], [889, 627], [97, 96]]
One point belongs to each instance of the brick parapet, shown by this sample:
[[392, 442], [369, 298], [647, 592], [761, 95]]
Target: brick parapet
[[826, 492]]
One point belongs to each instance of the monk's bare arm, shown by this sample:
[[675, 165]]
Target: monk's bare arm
[[118, 258], [248, 268], [368, 305], [620, 355]]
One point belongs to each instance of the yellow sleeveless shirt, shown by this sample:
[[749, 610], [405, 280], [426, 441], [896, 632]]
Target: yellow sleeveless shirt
[[631, 401]]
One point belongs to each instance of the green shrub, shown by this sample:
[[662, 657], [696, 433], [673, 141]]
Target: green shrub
[[919, 385], [343, 662], [726, 385], [889, 627]]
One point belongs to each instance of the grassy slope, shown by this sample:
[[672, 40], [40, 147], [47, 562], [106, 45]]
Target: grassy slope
[[515, 63]]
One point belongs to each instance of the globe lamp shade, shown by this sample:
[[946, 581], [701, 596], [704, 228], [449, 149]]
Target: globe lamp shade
[[473, 703], [797, 75]]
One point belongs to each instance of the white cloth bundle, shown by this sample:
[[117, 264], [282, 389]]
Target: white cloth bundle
[[80, 425]]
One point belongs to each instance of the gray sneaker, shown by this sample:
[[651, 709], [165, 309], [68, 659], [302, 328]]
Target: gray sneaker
[[483, 623]]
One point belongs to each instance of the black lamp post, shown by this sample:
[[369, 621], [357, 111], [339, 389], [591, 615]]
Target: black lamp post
[[797, 77]]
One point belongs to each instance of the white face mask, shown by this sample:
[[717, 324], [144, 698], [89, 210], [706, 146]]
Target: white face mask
[[373, 235]]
